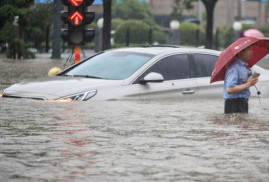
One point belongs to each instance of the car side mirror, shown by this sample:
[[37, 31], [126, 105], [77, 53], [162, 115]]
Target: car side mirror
[[152, 77]]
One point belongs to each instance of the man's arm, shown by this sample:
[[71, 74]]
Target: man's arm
[[238, 88]]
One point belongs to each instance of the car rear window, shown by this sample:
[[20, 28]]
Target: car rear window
[[202, 65]]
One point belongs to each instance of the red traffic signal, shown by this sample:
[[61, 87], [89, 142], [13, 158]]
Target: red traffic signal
[[75, 2], [77, 18]]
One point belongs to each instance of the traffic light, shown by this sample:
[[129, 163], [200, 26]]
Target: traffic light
[[77, 17]]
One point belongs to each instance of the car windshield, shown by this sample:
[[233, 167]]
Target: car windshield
[[114, 65]]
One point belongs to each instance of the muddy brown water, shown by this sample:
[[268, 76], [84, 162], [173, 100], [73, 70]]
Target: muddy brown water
[[161, 140]]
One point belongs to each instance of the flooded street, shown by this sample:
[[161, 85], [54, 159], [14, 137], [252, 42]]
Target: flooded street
[[163, 140]]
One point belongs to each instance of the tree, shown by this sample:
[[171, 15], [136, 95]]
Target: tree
[[57, 41], [107, 24], [8, 11], [14, 23], [179, 6], [133, 9], [41, 19], [209, 6]]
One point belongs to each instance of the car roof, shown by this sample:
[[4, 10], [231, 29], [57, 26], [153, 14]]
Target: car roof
[[155, 50]]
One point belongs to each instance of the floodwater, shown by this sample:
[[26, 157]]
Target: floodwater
[[163, 140]]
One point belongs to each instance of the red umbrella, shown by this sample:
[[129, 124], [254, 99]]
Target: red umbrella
[[260, 48]]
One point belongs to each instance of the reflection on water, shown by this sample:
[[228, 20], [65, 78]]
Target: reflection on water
[[164, 140]]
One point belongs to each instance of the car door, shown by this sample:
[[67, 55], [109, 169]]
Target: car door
[[177, 82], [201, 66]]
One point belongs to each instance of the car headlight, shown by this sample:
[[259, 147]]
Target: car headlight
[[83, 96]]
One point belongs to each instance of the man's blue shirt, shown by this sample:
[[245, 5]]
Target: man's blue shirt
[[237, 73]]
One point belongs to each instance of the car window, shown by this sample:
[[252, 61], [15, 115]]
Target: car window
[[114, 65], [202, 65], [172, 68]]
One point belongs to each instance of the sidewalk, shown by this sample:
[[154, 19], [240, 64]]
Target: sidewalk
[[47, 56], [64, 55]]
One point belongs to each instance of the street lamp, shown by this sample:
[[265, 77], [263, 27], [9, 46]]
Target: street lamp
[[237, 26], [174, 25], [100, 23], [99, 35]]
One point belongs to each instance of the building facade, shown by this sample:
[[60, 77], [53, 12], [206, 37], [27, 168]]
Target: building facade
[[226, 11]]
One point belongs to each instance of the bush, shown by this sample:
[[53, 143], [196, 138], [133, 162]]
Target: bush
[[188, 34], [17, 50], [225, 36], [246, 27], [115, 23], [265, 30], [135, 30], [160, 37]]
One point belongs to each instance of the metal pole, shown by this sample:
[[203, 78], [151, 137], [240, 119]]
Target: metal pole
[[77, 51]]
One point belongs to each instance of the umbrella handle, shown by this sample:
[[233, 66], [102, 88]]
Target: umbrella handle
[[258, 93]]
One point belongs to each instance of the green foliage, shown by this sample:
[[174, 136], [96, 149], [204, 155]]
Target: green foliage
[[93, 25], [246, 27], [34, 21], [226, 33], [41, 15], [17, 49], [160, 37], [9, 9], [137, 30], [188, 34], [39, 20], [133, 9], [225, 36], [179, 6], [7, 13], [115, 23], [138, 18], [139, 33], [6, 33], [265, 30]]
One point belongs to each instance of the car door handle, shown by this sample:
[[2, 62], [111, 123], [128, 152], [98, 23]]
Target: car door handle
[[188, 91]]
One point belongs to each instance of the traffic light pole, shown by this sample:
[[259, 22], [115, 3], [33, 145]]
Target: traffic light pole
[[77, 51], [77, 18]]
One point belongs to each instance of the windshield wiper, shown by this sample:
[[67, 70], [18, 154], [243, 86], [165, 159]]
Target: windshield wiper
[[65, 75], [86, 76]]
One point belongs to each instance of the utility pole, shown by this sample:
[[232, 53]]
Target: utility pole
[[200, 12], [57, 41], [239, 10], [230, 18]]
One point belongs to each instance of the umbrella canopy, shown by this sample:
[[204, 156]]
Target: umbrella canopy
[[260, 48], [253, 33]]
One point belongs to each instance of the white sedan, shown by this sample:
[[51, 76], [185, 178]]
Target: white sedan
[[134, 73]]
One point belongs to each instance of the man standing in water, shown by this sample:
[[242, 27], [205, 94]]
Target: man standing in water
[[237, 82]]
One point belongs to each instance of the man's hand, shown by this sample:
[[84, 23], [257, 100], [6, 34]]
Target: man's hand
[[238, 88], [252, 81]]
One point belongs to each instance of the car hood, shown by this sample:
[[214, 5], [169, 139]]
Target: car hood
[[50, 88]]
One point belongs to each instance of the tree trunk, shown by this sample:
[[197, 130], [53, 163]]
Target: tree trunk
[[107, 23], [47, 38], [209, 5], [57, 40]]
